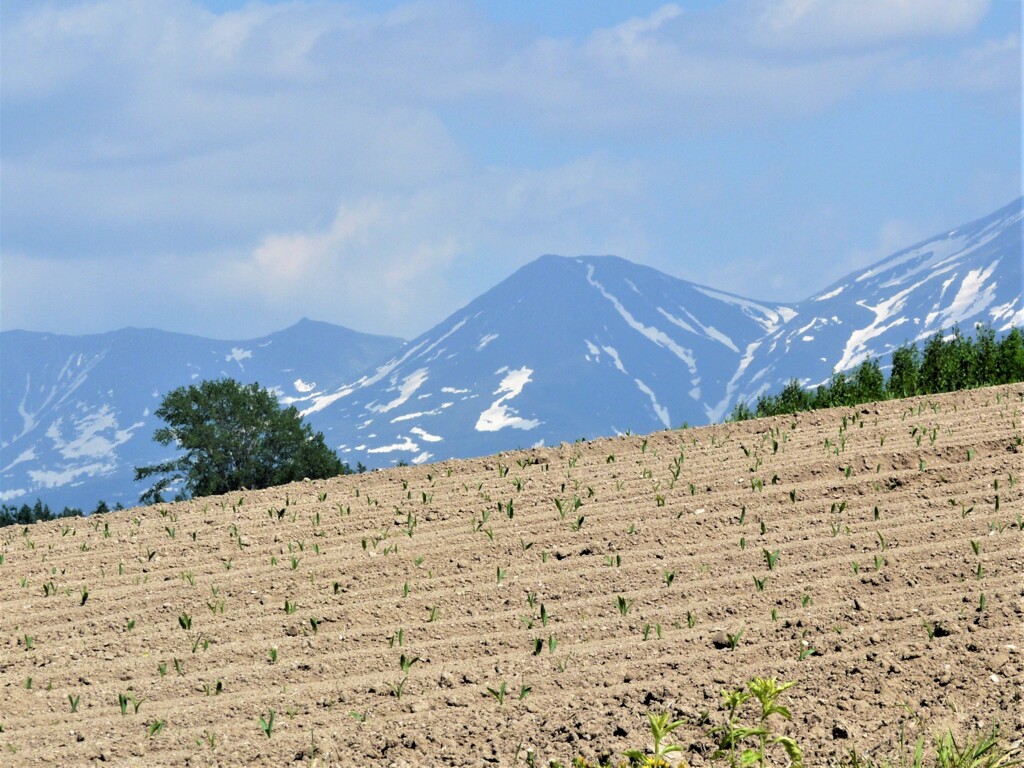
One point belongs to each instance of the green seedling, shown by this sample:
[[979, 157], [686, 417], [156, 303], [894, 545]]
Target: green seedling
[[623, 604], [155, 727], [397, 689], [267, 723], [498, 693], [661, 726], [771, 558]]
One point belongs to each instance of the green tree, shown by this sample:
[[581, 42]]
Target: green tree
[[869, 381], [1010, 357], [906, 362], [234, 436]]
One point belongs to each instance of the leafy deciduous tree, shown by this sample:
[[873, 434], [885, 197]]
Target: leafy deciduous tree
[[234, 436]]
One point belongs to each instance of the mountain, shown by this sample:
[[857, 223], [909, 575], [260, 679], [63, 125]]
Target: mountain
[[76, 413], [564, 348], [967, 275], [567, 347], [589, 346]]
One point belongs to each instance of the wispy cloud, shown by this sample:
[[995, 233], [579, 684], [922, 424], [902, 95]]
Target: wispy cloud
[[334, 160]]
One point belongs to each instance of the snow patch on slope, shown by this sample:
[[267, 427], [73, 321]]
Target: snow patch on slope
[[769, 319], [972, 298], [409, 385], [656, 335], [88, 439], [856, 349], [499, 415], [238, 355], [659, 410], [422, 434]]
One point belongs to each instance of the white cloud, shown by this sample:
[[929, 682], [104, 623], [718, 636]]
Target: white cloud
[[378, 168], [818, 24]]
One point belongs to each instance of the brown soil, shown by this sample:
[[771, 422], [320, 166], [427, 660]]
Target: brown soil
[[874, 512]]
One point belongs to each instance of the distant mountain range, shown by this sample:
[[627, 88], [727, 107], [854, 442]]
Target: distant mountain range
[[76, 411], [564, 348]]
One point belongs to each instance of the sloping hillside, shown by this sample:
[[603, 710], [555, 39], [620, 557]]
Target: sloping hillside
[[871, 554]]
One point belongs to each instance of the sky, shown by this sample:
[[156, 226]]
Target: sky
[[225, 168]]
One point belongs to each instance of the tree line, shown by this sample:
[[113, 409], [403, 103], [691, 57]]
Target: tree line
[[40, 512], [943, 365]]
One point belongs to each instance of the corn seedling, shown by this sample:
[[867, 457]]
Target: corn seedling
[[498, 693], [770, 558], [397, 689], [734, 639], [155, 727], [267, 723], [623, 604]]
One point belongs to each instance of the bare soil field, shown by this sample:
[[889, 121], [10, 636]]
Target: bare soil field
[[464, 612]]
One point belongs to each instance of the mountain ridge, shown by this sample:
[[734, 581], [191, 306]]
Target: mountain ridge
[[565, 347]]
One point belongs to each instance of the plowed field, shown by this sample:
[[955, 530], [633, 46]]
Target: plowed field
[[872, 554]]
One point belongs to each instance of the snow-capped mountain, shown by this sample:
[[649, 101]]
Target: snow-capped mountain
[[965, 276], [574, 347], [76, 413], [564, 348]]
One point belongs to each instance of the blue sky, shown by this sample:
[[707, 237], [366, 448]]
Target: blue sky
[[224, 168]]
